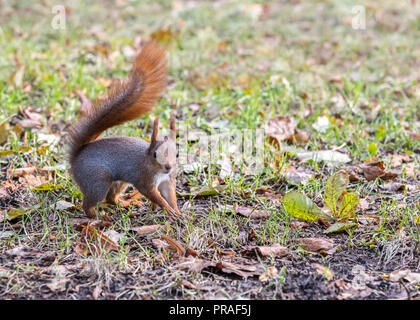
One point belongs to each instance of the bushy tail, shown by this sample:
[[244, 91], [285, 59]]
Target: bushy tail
[[126, 100]]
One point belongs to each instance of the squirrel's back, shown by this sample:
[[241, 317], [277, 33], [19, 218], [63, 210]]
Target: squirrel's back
[[126, 100]]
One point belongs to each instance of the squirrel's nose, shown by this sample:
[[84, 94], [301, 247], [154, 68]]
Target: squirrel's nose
[[168, 167]]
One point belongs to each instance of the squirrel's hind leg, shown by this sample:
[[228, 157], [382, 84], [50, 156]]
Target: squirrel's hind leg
[[117, 187], [93, 194]]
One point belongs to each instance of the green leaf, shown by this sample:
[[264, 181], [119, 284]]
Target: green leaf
[[48, 187], [300, 206], [15, 213], [348, 206], [380, 133], [340, 226], [4, 153], [334, 188], [373, 149]]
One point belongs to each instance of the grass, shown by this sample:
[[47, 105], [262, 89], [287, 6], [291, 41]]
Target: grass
[[242, 66]]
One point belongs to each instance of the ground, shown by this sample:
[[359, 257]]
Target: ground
[[315, 75]]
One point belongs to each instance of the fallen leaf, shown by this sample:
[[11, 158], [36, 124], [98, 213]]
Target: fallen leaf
[[241, 270], [143, 230], [14, 213], [316, 244], [339, 227], [334, 188], [93, 240], [328, 156], [252, 213], [275, 250], [4, 132], [411, 171], [407, 274], [398, 159], [299, 137], [279, 129], [298, 177], [322, 124], [324, 271], [374, 170], [269, 274], [194, 264], [64, 205], [393, 186], [348, 206], [300, 206], [80, 224], [174, 245]]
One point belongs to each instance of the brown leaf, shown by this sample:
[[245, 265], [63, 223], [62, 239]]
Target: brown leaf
[[411, 171], [194, 264], [252, 213], [279, 129], [269, 274], [299, 137], [174, 245], [398, 159], [4, 132], [393, 186], [143, 230], [31, 118], [316, 244], [243, 271], [324, 271], [225, 252], [93, 240], [81, 223], [275, 250], [191, 252], [160, 244], [373, 170]]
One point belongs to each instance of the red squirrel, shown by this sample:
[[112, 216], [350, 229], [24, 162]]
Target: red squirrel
[[103, 168]]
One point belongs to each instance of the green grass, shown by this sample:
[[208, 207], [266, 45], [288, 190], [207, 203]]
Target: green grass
[[241, 70]]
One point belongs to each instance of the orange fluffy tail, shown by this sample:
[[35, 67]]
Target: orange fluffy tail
[[127, 99]]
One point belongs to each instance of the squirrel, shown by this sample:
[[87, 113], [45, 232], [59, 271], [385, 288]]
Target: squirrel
[[103, 168]]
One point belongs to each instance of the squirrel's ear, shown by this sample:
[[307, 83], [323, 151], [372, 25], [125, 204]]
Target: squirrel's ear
[[155, 133], [172, 126]]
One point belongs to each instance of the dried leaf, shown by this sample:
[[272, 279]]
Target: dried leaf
[[174, 245], [408, 275], [324, 271], [279, 129], [316, 244], [4, 132], [143, 230], [243, 271], [195, 265], [275, 250], [252, 213], [372, 171], [329, 156], [269, 274], [93, 240], [398, 159], [64, 205]]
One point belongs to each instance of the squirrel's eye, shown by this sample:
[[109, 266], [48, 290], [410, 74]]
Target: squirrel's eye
[[177, 154], [155, 154]]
